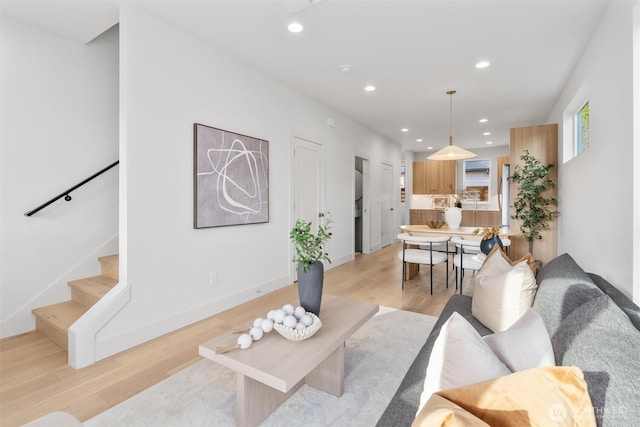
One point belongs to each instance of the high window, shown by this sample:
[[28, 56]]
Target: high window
[[581, 129]]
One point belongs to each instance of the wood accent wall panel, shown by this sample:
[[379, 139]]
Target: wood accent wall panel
[[542, 143]]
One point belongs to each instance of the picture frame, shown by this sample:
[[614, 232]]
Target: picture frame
[[230, 178], [440, 202]]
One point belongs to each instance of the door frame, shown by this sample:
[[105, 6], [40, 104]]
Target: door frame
[[323, 199], [392, 202], [366, 216]]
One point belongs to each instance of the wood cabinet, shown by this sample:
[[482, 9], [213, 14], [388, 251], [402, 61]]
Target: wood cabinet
[[470, 218], [434, 177]]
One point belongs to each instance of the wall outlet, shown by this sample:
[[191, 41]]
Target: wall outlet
[[213, 278]]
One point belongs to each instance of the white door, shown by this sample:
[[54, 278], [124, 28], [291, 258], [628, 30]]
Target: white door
[[386, 199], [308, 182]]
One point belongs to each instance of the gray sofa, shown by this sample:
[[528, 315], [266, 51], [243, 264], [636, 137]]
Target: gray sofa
[[592, 325]]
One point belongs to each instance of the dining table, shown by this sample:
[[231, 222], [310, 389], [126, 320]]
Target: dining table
[[462, 231]]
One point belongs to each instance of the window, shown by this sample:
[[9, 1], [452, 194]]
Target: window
[[575, 125], [581, 129], [477, 176]]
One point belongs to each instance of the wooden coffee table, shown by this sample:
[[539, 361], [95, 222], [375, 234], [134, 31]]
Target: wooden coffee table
[[273, 368]]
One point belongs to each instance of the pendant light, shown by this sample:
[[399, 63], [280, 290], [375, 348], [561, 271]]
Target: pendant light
[[451, 152]]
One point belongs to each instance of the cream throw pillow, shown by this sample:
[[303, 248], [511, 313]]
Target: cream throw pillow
[[498, 301], [525, 345], [459, 357]]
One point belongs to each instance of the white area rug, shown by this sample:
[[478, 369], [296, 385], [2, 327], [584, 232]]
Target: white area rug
[[377, 357]]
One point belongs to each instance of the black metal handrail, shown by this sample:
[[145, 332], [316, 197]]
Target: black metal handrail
[[66, 195]]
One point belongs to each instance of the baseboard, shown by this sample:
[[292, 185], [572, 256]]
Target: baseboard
[[118, 343]]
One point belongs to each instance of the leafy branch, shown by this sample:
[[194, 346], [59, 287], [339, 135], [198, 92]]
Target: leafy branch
[[310, 246], [531, 206]]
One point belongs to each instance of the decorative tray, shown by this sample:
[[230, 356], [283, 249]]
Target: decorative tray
[[294, 334]]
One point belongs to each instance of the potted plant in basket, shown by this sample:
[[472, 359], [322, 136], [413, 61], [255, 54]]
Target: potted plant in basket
[[309, 254], [531, 205]]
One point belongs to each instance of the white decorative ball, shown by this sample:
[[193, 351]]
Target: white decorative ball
[[288, 308], [267, 325], [279, 316], [290, 321], [300, 326], [244, 341], [306, 319], [299, 312], [270, 314], [256, 333], [257, 322]]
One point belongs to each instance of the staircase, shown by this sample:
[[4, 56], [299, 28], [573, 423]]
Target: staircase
[[53, 321]]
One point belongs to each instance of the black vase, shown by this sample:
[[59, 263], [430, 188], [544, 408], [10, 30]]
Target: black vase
[[310, 287], [487, 244]]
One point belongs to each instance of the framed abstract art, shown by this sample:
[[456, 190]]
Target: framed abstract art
[[231, 178]]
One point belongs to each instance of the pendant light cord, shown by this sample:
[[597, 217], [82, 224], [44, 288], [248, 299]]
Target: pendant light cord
[[450, 93]]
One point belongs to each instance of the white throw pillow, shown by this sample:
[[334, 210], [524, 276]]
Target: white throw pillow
[[525, 345], [459, 357], [494, 265], [499, 301]]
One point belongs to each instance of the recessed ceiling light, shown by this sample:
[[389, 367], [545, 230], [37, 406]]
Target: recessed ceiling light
[[345, 68], [483, 64], [370, 88], [404, 130], [489, 142], [487, 133], [429, 148], [419, 140], [483, 120], [295, 27]]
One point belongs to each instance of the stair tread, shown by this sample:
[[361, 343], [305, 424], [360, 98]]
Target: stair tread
[[109, 258], [95, 285], [61, 315]]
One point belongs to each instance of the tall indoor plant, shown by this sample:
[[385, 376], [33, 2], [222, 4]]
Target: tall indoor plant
[[532, 204], [310, 251]]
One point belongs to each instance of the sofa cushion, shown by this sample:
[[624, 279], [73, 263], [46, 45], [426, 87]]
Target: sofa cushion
[[459, 357], [600, 338], [499, 301], [525, 345], [562, 287], [551, 396]]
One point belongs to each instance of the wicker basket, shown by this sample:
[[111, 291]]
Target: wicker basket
[[294, 334]]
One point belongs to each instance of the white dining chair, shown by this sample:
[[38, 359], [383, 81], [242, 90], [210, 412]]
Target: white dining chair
[[467, 256], [427, 256]]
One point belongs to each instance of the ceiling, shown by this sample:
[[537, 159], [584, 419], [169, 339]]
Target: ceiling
[[412, 51]]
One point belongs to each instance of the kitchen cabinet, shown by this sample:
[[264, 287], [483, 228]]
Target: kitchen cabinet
[[434, 177]]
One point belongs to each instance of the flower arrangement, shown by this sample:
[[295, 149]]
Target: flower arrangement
[[310, 246], [486, 232]]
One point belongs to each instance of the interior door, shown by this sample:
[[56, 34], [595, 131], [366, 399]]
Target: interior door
[[387, 212], [308, 182]]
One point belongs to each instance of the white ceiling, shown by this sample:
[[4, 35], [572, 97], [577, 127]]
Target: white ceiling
[[413, 51]]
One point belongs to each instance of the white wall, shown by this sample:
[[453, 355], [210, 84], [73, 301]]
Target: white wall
[[59, 125], [169, 80], [595, 188]]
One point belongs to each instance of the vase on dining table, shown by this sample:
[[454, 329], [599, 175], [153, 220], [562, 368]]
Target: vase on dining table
[[453, 217]]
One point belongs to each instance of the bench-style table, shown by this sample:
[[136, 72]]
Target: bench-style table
[[273, 368]]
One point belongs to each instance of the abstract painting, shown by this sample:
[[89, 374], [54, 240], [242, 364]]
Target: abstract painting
[[231, 178]]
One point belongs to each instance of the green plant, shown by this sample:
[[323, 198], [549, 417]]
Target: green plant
[[531, 205], [310, 246]]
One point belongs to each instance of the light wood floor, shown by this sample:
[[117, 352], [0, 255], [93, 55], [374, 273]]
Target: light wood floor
[[35, 378]]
